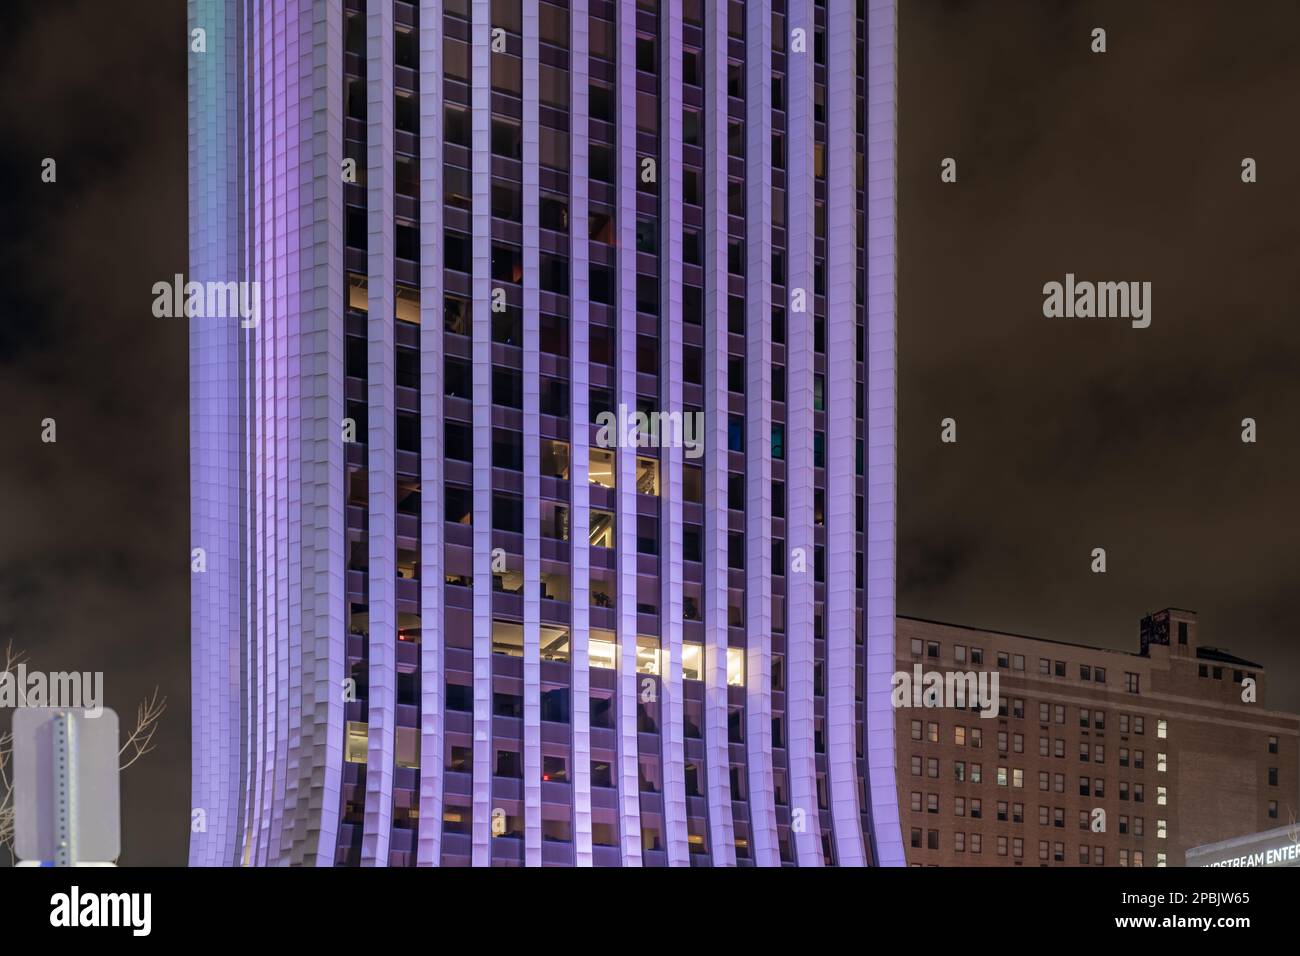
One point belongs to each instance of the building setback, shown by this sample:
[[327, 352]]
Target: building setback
[[1161, 742], [439, 614]]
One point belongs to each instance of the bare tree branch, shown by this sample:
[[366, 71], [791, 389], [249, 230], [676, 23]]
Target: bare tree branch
[[140, 742]]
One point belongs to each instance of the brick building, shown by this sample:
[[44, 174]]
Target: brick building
[[1163, 741]]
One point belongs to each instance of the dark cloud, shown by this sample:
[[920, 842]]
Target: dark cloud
[[93, 556], [1075, 434]]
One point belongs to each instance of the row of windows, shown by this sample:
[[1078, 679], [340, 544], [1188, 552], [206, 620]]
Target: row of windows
[[1015, 662], [1238, 676], [1015, 813], [1088, 719], [1054, 852], [1015, 778], [554, 29]]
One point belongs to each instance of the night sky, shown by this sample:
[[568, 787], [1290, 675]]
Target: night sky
[[1072, 433]]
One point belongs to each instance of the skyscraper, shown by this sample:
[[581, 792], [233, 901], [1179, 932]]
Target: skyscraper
[[545, 515]]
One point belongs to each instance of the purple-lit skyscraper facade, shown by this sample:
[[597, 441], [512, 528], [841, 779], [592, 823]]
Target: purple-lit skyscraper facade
[[443, 612]]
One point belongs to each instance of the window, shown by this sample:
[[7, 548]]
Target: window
[[1085, 672], [692, 661], [1272, 745], [959, 736], [1161, 729], [1130, 682], [357, 747], [735, 667], [1123, 723]]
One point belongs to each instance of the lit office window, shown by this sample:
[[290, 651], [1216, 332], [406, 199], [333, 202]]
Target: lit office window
[[507, 639], [735, 667], [1162, 729], [1160, 829], [601, 468], [647, 655], [554, 641], [602, 651], [692, 661], [358, 743], [1161, 796]]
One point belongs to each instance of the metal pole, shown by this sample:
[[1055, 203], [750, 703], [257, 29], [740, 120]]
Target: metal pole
[[65, 789]]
